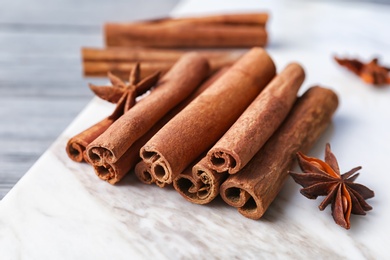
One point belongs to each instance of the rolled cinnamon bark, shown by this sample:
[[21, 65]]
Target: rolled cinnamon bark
[[97, 62], [232, 19], [149, 54], [113, 172], [198, 183], [121, 69], [174, 87], [254, 188], [258, 122], [142, 171], [130, 54], [76, 145], [185, 35], [199, 125]]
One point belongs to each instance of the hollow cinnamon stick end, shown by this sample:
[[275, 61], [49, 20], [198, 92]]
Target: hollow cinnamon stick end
[[247, 205], [107, 173], [222, 160], [198, 183], [142, 171], [75, 150]]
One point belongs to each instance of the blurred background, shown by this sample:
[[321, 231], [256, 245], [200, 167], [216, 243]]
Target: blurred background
[[41, 84]]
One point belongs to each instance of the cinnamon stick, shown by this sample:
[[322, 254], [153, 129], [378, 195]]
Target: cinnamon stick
[[130, 54], [259, 18], [149, 54], [76, 145], [121, 69], [199, 183], [143, 173], [166, 33], [254, 188], [199, 125], [97, 62], [113, 172], [258, 122], [174, 87]]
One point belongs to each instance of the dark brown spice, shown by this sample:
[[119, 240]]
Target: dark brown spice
[[121, 93], [323, 179], [125, 94], [371, 72]]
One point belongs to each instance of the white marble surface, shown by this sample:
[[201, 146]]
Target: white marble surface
[[61, 210]]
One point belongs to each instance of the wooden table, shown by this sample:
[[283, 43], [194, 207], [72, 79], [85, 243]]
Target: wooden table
[[41, 84]]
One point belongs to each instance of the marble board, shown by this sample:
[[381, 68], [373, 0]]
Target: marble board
[[61, 210]]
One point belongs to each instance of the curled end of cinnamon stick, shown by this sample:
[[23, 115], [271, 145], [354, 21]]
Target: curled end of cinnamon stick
[[222, 160], [248, 205], [159, 166], [109, 173], [199, 184], [98, 155], [161, 170], [75, 150], [106, 173], [143, 173]]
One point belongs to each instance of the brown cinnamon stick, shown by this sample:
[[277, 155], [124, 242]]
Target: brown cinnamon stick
[[174, 87], [115, 171], [143, 173], [97, 62], [232, 19], [130, 54], [121, 69], [258, 122], [254, 188], [149, 54], [168, 34], [76, 145], [199, 125], [199, 183]]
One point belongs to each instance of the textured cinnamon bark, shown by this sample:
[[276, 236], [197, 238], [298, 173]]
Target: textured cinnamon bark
[[258, 122], [233, 19], [149, 54], [236, 31], [143, 173], [130, 54], [173, 88], [121, 69], [115, 171], [76, 145], [208, 117], [254, 188], [97, 62], [198, 183]]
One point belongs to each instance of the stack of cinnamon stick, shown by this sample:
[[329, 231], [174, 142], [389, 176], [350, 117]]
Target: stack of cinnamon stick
[[234, 133], [158, 44]]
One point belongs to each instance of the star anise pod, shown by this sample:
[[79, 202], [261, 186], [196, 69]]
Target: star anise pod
[[370, 72], [124, 95], [321, 178]]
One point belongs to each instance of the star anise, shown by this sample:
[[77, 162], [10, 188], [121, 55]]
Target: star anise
[[323, 179], [124, 95], [370, 72]]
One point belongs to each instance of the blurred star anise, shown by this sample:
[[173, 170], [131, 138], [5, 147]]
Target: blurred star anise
[[321, 178], [371, 72], [123, 94]]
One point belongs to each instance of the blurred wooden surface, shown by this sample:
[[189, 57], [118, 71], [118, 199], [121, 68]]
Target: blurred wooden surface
[[41, 83]]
